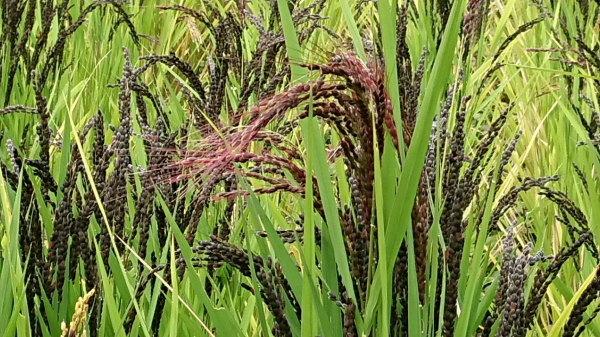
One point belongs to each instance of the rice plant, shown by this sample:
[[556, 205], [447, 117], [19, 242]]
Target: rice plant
[[299, 168]]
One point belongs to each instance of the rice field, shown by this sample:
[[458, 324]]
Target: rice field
[[299, 168]]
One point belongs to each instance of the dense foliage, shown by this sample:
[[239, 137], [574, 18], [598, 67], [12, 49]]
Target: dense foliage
[[299, 168]]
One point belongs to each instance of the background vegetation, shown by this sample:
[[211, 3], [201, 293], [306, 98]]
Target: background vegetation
[[299, 168]]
